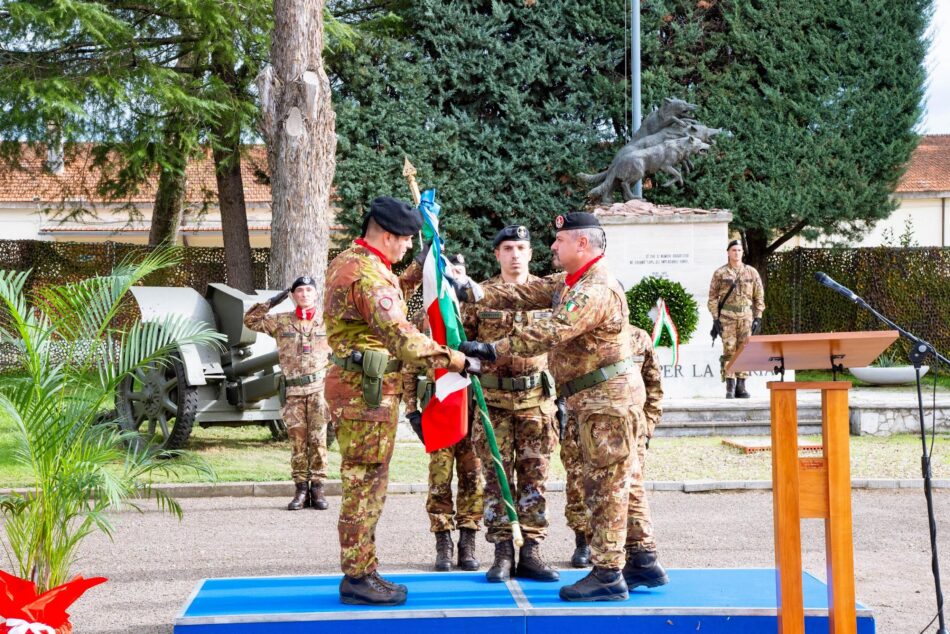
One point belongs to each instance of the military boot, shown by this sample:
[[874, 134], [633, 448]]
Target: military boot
[[730, 388], [740, 389], [386, 582], [317, 499], [581, 556], [531, 566], [300, 497], [443, 551], [370, 589], [504, 561], [467, 559], [602, 584], [642, 569]]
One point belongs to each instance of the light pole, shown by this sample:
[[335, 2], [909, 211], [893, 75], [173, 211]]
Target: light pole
[[635, 78]]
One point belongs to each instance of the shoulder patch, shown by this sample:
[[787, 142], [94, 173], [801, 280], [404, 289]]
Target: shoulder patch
[[385, 303]]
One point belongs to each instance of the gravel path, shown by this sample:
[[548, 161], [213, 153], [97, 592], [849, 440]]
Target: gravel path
[[155, 562]]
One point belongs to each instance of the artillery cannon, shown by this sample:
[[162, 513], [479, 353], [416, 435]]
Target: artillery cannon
[[234, 386]]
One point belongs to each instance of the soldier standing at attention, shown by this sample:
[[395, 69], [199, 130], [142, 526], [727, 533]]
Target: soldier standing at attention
[[466, 514], [519, 392], [736, 302], [370, 338], [302, 351], [591, 358]]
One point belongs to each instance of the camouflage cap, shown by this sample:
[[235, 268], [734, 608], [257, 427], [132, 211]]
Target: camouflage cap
[[511, 232], [393, 215], [576, 220], [303, 280]]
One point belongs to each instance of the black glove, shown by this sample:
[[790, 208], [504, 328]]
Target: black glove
[[415, 421], [756, 325], [484, 351], [473, 365], [279, 297], [465, 289], [716, 329], [561, 415], [423, 253]]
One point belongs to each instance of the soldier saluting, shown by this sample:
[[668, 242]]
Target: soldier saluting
[[370, 338], [590, 355], [302, 352], [736, 302]]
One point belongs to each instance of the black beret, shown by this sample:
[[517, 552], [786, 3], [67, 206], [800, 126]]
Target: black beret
[[576, 220], [395, 216], [303, 280], [511, 232], [458, 259], [733, 243]]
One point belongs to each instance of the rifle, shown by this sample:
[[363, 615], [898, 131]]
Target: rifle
[[717, 326]]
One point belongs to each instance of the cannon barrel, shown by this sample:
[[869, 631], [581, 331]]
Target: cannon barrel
[[246, 367]]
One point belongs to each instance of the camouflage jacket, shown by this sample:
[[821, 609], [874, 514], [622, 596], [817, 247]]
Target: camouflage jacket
[[490, 324], [301, 346], [749, 296], [364, 309], [650, 378], [588, 330]]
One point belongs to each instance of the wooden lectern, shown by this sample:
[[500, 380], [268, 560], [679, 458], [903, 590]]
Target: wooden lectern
[[812, 487]]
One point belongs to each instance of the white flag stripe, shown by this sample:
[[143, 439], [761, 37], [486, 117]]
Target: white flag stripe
[[450, 382]]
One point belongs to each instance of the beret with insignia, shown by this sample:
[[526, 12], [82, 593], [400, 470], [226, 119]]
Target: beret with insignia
[[576, 220], [395, 216], [303, 280], [511, 232], [733, 243]]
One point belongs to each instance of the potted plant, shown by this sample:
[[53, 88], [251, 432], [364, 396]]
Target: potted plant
[[887, 370], [76, 343]]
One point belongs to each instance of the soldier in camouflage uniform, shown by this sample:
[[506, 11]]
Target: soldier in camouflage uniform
[[460, 457], [736, 302], [519, 395], [369, 337], [591, 356], [302, 351]]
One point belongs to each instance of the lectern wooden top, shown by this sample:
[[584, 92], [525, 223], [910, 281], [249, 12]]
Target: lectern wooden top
[[811, 351]]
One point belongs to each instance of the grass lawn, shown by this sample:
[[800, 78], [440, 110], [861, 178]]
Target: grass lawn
[[248, 454], [927, 382]]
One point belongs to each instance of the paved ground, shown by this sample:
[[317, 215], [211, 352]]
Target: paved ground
[[154, 562]]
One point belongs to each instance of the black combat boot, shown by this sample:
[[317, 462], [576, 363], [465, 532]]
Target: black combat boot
[[642, 569], [740, 389], [602, 584], [504, 561], [467, 559], [531, 566], [389, 584], [443, 551], [301, 497], [317, 499], [730, 388], [581, 556], [370, 589]]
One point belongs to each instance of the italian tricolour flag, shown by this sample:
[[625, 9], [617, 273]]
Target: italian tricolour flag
[[445, 418]]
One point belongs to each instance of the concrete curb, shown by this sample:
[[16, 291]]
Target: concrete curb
[[333, 487]]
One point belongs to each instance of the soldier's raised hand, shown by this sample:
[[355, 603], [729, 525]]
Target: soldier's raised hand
[[279, 297], [484, 351]]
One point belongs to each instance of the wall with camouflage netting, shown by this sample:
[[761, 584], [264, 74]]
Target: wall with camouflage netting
[[911, 286]]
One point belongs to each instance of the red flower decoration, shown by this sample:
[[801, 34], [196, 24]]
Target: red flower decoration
[[19, 601]]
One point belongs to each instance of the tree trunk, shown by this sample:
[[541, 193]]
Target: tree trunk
[[231, 204], [298, 123], [756, 250], [169, 197]]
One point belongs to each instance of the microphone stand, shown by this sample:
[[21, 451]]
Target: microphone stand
[[918, 352]]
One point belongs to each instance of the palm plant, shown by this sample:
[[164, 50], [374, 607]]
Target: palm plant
[[75, 352]]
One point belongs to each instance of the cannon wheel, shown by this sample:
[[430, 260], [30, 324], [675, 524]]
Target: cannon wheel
[[156, 400], [278, 430]]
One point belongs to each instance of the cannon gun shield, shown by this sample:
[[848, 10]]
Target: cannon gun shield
[[209, 386]]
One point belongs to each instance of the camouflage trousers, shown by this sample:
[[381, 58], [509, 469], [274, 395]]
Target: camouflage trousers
[[526, 438], [735, 330], [639, 531], [306, 420], [366, 448], [468, 508]]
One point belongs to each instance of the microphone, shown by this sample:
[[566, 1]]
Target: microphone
[[824, 280]]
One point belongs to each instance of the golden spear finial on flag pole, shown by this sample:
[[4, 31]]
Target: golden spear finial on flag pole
[[409, 171]]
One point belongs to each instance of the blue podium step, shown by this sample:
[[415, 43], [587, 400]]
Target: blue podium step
[[710, 601]]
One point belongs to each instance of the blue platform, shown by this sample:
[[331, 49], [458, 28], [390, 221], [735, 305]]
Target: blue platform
[[709, 601]]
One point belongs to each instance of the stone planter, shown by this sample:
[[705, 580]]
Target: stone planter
[[894, 375]]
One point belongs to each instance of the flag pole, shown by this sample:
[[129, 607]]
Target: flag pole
[[409, 171]]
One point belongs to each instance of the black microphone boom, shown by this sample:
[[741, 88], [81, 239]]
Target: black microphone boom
[[825, 280]]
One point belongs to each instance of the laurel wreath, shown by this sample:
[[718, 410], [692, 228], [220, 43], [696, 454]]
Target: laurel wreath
[[683, 308]]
